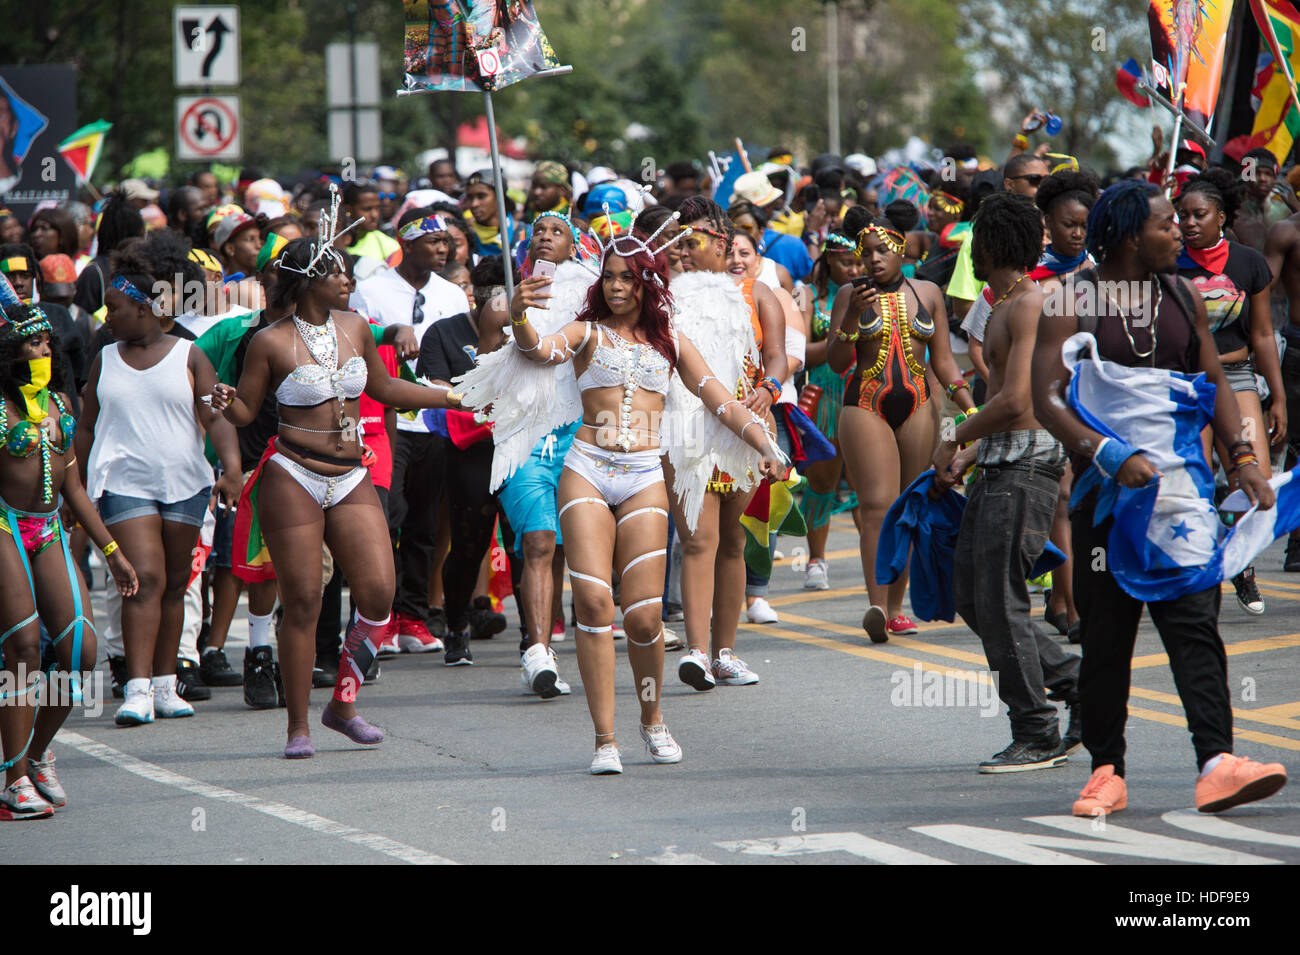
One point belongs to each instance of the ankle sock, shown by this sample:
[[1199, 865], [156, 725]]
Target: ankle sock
[[1209, 765]]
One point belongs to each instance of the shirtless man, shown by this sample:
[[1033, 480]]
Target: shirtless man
[[1282, 250], [1008, 517]]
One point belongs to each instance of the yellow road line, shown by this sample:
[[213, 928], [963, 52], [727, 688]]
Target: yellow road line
[[1258, 645]]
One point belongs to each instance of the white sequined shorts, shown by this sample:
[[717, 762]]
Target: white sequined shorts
[[616, 475]]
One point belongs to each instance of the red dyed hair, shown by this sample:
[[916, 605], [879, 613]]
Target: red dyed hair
[[656, 301]]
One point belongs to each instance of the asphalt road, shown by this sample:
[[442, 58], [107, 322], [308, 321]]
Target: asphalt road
[[820, 762]]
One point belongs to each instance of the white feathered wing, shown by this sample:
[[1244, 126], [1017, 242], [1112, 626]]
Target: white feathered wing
[[711, 312], [529, 399]]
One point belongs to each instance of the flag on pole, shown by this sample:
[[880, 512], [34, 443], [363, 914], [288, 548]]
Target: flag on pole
[[1277, 117], [1167, 539], [1188, 42], [473, 45], [81, 150], [1127, 78]]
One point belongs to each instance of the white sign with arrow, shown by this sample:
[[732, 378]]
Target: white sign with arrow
[[206, 45]]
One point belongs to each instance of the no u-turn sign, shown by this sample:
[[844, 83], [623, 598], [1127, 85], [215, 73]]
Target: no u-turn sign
[[208, 128]]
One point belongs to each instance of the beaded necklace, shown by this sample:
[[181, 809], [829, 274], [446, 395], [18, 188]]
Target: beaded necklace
[[323, 345], [27, 436]]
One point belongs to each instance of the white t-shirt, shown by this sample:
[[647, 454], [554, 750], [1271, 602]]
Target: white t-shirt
[[390, 300]]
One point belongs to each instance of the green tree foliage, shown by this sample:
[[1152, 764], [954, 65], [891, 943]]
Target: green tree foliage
[[1059, 57]]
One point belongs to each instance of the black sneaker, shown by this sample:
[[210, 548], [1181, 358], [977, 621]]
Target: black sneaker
[[1248, 594], [1291, 562], [1022, 756], [189, 683], [484, 622], [1075, 633], [372, 673], [1073, 737], [437, 622], [280, 699], [458, 654], [205, 634], [117, 676], [259, 678], [325, 673], [216, 669]]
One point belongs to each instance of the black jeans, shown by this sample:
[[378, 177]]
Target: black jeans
[[1003, 533], [1108, 618], [419, 463], [1291, 383], [471, 509]]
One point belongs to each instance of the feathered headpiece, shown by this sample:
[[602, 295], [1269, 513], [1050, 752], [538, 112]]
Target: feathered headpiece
[[627, 245], [323, 251]]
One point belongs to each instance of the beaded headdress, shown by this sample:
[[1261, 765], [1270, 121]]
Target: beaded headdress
[[628, 245], [323, 250], [893, 240], [35, 323]]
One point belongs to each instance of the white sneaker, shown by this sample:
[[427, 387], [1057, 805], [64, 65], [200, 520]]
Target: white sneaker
[[694, 671], [21, 801], [660, 743], [672, 641], [730, 670], [816, 576], [138, 707], [760, 611], [166, 704], [46, 782], [606, 762], [618, 632], [540, 674]]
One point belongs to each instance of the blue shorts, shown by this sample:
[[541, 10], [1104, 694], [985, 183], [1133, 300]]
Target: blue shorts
[[115, 508], [529, 496]]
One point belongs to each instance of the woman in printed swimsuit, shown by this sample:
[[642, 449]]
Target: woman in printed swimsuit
[[887, 324]]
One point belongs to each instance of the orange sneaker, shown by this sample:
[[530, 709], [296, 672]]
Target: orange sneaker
[[1237, 780], [1105, 793]]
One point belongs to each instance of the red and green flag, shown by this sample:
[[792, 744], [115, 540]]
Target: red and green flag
[[771, 511], [1277, 121]]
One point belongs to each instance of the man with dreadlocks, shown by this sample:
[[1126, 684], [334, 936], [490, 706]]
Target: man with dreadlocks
[[1133, 235], [1009, 515]]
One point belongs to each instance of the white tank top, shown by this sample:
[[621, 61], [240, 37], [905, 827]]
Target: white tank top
[[767, 273], [148, 443]]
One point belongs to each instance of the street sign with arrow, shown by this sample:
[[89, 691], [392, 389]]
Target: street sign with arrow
[[206, 45]]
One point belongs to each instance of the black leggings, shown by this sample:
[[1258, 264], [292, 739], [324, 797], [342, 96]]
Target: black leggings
[[471, 510]]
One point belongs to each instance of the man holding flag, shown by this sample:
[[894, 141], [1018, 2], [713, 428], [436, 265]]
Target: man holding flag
[[1143, 318]]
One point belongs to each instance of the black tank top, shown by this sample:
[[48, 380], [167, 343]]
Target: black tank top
[[1177, 345]]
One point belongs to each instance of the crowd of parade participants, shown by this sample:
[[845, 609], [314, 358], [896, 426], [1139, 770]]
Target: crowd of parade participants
[[304, 391]]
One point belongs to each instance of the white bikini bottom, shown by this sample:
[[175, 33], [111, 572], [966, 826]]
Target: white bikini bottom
[[616, 475], [325, 490]]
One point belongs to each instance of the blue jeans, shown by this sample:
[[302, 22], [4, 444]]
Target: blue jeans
[[1003, 533]]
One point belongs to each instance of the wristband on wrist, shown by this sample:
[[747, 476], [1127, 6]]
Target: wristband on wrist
[[840, 336], [1111, 455], [955, 387], [110, 548], [772, 386]]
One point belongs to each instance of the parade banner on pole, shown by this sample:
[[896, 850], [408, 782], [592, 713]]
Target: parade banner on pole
[[1188, 43], [475, 46]]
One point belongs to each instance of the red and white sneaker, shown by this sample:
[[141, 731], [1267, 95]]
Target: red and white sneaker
[[558, 631], [411, 636], [902, 625], [21, 801]]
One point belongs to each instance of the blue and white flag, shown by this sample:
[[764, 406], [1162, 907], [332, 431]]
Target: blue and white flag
[[1167, 539]]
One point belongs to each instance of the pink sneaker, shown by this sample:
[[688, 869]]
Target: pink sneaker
[[902, 625]]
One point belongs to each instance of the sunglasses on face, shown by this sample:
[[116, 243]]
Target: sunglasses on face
[[387, 196], [1034, 179]]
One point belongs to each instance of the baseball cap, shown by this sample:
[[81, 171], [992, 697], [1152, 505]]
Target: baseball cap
[[551, 172], [225, 221], [1192, 146], [138, 189], [60, 275], [756, 188]]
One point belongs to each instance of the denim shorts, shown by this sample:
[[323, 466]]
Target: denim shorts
[[115, 508], [223, 539]]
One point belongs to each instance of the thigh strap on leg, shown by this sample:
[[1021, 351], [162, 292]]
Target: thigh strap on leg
[[643, 603], [594, 580], [646, 556], [583, 500], [79, 619], [17, 537], [585, 629], [640, 510]]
